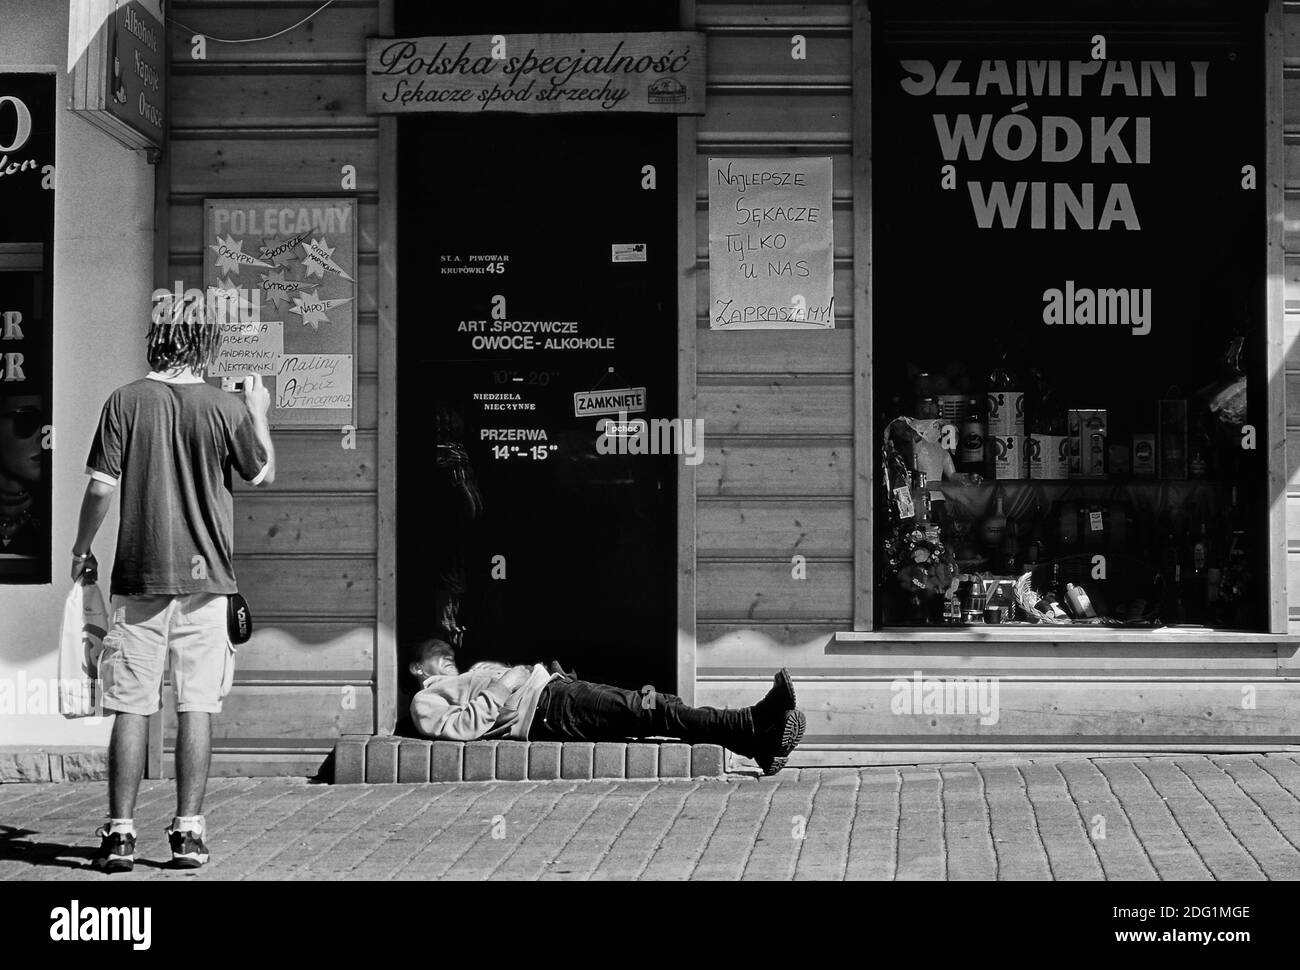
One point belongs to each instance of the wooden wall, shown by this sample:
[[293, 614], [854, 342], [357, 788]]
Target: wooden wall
[[280, 117], [777, 480], [1291, 338], [777, 475]]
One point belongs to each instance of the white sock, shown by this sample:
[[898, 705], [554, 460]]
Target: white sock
[[121, 826], [188, 823]]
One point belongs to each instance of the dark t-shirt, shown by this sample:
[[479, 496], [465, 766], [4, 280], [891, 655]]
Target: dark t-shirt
[[170, 447]]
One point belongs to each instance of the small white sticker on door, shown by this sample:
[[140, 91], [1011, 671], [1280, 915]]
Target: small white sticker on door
[[628, 253]]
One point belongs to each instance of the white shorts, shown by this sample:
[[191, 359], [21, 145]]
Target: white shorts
[[145, 629]]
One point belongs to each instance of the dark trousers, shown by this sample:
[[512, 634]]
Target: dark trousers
[[577, 710]]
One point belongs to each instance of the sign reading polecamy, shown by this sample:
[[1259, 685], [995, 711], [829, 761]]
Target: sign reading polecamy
[[293, 260], [656, 72], [314, 381], [771, 245], [627, 400], [248, 348]]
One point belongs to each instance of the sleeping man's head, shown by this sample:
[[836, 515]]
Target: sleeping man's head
[[432, 658]]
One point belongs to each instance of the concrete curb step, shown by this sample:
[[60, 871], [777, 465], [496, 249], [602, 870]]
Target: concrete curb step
[[19, 765], [384, 760]]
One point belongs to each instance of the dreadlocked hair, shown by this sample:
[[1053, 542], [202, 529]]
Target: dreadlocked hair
[[182, 336]]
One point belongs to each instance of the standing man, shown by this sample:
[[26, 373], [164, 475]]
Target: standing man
[[167, 444]]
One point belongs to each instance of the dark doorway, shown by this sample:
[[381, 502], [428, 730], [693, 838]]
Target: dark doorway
[[509, 518]]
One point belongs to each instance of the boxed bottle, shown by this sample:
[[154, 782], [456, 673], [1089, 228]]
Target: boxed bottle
[[1088, 444], [1006, 402], [1144, 454]]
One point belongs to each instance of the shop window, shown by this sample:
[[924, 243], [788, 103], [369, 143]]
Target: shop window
[[26, 296], [1068, 315]]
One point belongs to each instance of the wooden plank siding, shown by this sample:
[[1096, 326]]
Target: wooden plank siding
[[1291, 334], [777, 476], [279, 118]]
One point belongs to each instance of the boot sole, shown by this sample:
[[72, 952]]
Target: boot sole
[[795, 724], [791, 734]]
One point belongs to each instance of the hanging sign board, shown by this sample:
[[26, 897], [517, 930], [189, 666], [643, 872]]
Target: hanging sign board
[[624, 400], [290, 266], [619, 73], [117, 55], [771, 246]]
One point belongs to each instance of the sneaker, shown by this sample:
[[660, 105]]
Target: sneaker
[[779, 741], [116, 851], [188, 850]]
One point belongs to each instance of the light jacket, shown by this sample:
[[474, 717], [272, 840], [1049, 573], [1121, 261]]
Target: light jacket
[[476, 705]]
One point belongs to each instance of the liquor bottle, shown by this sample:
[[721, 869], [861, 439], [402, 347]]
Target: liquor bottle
[[924, 402], [920, 493], [1049, 603], [1171, 573], [1201, 551], [972, 444], [1078, 605], [1200, 452], [1198, 582], [1009, 558], [898, 484], [993, 526], [1214, 558], [1006, 408], [1067, 527], [1035, 546]]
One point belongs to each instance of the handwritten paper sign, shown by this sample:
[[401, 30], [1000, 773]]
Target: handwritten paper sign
[[771, 247], [313, 381], [248, 348], [650, 72], [289, 267]]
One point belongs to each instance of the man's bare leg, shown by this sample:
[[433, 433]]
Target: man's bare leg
[[193, 757], [126, 757]]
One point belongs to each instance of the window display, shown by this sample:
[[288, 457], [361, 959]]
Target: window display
[[1061, 382]]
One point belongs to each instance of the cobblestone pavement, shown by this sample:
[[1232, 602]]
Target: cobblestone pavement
[[1179, 817]]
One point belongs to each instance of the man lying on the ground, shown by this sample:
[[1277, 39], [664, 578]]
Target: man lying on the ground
[[530, 703]]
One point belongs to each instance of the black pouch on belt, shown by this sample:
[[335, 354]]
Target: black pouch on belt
[[239, 618]]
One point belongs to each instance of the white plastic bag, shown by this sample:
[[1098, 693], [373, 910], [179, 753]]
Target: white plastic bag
[[81, 641]]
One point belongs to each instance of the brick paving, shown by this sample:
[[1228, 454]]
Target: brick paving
[[1230, 817]]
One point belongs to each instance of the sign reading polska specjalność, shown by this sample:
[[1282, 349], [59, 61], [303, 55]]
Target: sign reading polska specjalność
[[771, 243], [654, 72]]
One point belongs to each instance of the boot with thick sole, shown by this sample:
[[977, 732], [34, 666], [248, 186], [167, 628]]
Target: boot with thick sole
[[779, 740], [778, 700]]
